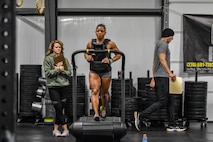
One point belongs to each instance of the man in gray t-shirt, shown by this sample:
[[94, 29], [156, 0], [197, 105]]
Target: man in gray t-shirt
[[160, 81], [161, 49]]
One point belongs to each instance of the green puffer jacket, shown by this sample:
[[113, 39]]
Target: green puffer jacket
[[56, 77]]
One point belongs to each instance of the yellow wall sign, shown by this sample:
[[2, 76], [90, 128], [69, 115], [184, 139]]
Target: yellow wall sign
[[199, 64]]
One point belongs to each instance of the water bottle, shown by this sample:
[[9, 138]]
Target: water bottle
[[145, 138]]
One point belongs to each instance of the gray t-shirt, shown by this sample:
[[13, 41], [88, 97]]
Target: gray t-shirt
[[161, 47]]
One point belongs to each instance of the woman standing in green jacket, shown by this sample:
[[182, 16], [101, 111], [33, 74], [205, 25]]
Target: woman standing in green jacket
[[57, 72]]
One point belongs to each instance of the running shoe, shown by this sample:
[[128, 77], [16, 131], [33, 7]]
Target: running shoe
[[175, 129], [97, 117], [103, 112], [65, 133], [137, 121], [56, 133]]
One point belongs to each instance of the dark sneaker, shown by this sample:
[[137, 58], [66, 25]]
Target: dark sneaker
[[146, 122], [137, 120], [175, 129], [103, 112], [97, 117]]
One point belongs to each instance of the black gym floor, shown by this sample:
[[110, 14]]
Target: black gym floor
[[28, 132]]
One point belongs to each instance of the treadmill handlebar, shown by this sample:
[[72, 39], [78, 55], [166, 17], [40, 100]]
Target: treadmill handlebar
[[90, 51]]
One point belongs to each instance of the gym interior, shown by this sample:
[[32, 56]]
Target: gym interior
[[28, 26]]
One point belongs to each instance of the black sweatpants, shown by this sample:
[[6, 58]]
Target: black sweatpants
[[162, 87]]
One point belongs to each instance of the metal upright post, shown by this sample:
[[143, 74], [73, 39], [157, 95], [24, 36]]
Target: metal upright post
[[123, 99], [51, 14], [8, 77], [165, 14]]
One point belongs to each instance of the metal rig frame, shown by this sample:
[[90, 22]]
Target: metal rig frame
[[8, 89]]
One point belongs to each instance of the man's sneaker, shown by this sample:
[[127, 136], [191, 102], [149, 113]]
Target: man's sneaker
[[103, 112], [97, 117], [146, 122], [56, 133], [137, 120], [175, 129], [65, 133]]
